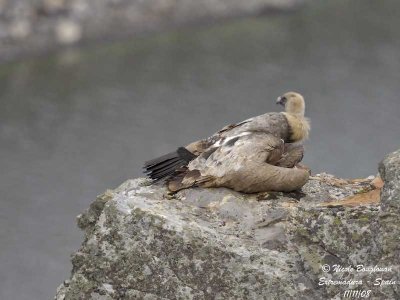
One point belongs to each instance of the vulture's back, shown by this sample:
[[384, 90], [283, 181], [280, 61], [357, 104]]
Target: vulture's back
[[273, 123]]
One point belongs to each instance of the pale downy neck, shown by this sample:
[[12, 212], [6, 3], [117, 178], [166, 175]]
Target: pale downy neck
[[300, 126]]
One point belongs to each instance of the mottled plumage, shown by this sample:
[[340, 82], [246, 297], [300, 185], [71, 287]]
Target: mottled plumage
[[256, 171], [251, 156]]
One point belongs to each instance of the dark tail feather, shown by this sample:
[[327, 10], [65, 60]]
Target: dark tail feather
[[164, 166]]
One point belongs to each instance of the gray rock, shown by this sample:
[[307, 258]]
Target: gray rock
[[142, 243], [389, 169], [28, 27], [388, 233]]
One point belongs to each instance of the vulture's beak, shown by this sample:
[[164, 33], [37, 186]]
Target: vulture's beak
[[281, 100]]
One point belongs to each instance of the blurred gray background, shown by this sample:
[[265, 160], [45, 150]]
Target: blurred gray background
[[77, 122]]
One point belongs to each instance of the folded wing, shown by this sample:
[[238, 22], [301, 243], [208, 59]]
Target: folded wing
[[249, 162]]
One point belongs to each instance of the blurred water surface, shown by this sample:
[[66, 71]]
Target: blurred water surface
[[78, 122]]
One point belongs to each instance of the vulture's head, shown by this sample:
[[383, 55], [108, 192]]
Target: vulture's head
[[293, 103]]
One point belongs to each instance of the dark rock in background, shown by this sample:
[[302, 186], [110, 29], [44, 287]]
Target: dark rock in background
[[141, 243], [34, 26]]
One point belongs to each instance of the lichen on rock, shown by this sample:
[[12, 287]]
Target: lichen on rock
[[142, 243]]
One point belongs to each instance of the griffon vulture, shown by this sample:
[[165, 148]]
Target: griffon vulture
[[257, 155]]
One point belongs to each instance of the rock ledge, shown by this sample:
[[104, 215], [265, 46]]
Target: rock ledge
[[141, 243]]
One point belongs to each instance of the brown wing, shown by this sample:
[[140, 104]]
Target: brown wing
[[292, 155], [270, 123], [201, 146], [243, 166], [275, 124], [198, 147], [247, 167], [231, 126]]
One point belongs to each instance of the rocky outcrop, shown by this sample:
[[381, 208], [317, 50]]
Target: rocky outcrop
[[334, 237], [37, 25]]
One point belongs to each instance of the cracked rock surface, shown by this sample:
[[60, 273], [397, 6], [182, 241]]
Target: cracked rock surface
[[141, 243]]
